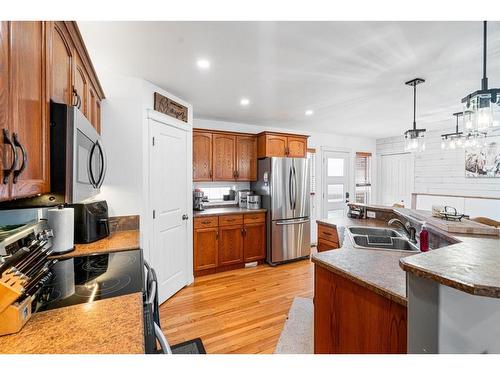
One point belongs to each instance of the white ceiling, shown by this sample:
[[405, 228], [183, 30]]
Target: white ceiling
[[351, 74]]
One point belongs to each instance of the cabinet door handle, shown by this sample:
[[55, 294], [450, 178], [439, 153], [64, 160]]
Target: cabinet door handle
[[78, 103], [217, 235], [210, 174], [8, 141], [24, 154]]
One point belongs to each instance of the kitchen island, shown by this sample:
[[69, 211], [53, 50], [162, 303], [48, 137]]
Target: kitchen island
[[365, 301], [359, 296]]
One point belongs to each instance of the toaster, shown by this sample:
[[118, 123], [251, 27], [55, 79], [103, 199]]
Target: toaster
[[91, 221]]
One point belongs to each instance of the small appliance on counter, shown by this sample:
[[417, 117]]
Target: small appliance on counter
[[356, 212], [243, 198], [253, 202], [198, 199], [91, 221], [62, 221]]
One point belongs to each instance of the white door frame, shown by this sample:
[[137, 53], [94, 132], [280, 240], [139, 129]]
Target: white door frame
[[186, 127], [379, 172], [350, 171]]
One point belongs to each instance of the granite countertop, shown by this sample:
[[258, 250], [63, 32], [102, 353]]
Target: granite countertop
[[109, 326], [219, 211], [116, 241], [470, 265], [377, 270]]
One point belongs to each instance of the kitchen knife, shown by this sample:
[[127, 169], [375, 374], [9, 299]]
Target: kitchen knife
[[13, 259]]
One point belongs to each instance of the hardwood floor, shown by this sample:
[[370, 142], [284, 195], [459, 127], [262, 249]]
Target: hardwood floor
[[240, 311]]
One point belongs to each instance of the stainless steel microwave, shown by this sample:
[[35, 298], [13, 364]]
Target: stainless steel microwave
[[78, 159]]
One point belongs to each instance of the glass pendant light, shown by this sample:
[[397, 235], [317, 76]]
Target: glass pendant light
[[482, 107], [451, 141], [414, 138]]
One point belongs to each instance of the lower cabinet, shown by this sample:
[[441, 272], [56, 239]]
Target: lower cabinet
[[230, 245], [227, 242], [207, 241], [328, 238]]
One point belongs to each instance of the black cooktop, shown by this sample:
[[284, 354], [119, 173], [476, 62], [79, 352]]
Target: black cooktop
[[91, 278]]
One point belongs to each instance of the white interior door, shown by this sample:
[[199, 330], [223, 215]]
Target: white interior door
[[396, 179], [168, 201], [335, 183]]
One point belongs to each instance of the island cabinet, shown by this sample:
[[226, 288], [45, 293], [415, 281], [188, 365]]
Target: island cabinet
[[351, 319], [38, 60], [226, 242], [272, 144], [328, 238]]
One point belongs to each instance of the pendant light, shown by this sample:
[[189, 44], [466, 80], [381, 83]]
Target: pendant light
[[451, 141], [482, 107], [414, 138]]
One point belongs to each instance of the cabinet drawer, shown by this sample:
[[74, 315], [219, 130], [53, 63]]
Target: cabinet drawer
[[324, 245], [328, 233], [206, 222], [230, 220], [255, 218]]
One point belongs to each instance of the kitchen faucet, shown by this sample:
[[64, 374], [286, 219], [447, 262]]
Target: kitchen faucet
[[410, 231]]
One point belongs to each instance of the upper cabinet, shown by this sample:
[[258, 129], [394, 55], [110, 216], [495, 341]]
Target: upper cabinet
[[281, 145], [224, 151], [37, 64], [246, 158], [74, 80], [202, 156]]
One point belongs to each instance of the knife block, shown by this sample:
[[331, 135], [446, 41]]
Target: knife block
[[11, 288], [15, 316]]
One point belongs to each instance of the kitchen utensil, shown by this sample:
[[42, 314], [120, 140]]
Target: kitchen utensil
[[13, 259], [242, 197]]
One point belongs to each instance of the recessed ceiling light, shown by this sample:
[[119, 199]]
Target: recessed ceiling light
[[203, 64], [309, 112], [245, 102]]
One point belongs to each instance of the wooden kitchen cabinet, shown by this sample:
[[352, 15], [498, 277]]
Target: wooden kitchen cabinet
[[227, 242], [254, 242], [224, 155], [62, 65], [246, 158], [38, 60], [28, 104], [81, 86], [202, 156], [230, 245], [206, 245], [281, 145], [328, 238]]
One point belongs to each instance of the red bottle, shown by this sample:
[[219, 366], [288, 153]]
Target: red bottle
[[424, 238]]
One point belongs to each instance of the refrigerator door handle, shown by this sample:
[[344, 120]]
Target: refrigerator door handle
[[292, 222], [290, 187], [294, 187]]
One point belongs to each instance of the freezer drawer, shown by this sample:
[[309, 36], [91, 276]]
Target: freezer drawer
[[291, 239]]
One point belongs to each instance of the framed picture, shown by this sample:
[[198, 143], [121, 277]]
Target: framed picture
[[483, 162]]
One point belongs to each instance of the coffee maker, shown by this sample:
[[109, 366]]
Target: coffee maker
[[198, 199]]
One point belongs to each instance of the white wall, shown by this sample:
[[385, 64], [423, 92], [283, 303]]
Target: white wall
[[439, 171], [126, 139], [319, 141]]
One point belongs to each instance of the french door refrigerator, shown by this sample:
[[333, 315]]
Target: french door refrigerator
[[284, 186]]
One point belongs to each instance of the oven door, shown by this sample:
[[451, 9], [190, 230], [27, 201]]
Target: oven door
[[89, 160]]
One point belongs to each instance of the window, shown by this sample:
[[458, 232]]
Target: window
[[215, 193], [363, 177], [311, 156]]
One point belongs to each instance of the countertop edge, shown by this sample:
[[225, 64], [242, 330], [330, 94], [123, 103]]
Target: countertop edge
[[374, 288]]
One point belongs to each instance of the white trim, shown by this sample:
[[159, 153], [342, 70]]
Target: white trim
[[168, 120]]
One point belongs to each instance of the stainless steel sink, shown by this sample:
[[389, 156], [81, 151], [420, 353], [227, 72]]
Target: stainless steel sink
[[380, 239], [369, 231]]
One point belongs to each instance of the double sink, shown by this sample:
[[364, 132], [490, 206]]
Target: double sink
[[380, 239]]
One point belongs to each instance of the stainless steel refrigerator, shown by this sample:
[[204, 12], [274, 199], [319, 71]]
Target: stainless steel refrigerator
[[284, 186]]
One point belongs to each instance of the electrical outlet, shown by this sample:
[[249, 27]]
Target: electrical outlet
[[371, 214]]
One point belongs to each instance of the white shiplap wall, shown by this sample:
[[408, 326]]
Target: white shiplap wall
[[438, 171]]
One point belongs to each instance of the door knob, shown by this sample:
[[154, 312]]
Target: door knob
[[185, 217]]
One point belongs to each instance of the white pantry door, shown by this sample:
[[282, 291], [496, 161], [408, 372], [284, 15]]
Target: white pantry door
[[396, 179], [168, 186]]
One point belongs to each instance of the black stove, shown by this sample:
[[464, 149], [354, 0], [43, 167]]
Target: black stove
[[91, 278]]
